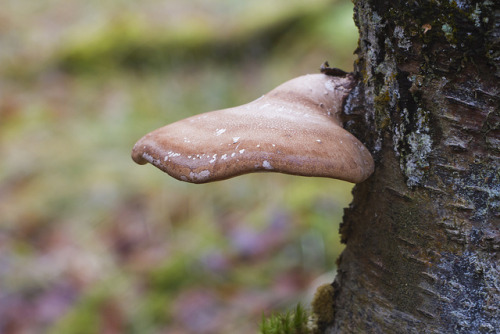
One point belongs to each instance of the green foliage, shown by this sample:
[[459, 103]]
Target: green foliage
[[290, 322], [131, 42], [172, 275]]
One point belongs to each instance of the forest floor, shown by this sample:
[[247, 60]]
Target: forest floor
[[91, 242]]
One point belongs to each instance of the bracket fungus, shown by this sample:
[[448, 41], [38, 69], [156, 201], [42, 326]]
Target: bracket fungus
[[293, 129]]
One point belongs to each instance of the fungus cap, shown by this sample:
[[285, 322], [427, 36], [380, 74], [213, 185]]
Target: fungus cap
[[293, 129]]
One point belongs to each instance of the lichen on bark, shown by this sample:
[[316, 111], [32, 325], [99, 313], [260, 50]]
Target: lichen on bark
[[423, 233]]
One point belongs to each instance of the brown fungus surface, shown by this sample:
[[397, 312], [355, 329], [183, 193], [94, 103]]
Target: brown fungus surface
[[293, 129]]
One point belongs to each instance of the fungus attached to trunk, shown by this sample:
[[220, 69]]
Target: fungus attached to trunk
[[293, 129]]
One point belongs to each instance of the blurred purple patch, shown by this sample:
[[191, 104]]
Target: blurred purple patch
[[250, 243], [215, 261], [245, 241], [20, 313], [52, 304], [199, 311]]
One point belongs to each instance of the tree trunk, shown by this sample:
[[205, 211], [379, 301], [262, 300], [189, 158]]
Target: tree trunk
[[423, 233]]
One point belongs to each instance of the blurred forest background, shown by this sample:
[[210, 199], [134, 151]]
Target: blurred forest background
[[91, 242]]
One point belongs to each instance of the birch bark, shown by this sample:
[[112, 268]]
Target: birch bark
[[423, 233]]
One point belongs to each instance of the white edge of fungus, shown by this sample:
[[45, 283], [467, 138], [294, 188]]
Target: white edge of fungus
[[148, 157], [266, 165], [203, 175]]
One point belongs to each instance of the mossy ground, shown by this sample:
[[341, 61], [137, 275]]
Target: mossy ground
[[290, 322]]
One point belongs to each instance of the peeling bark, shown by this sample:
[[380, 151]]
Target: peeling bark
[[423, 233]]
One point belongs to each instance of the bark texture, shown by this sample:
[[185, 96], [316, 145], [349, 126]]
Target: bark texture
[[423, 233]]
